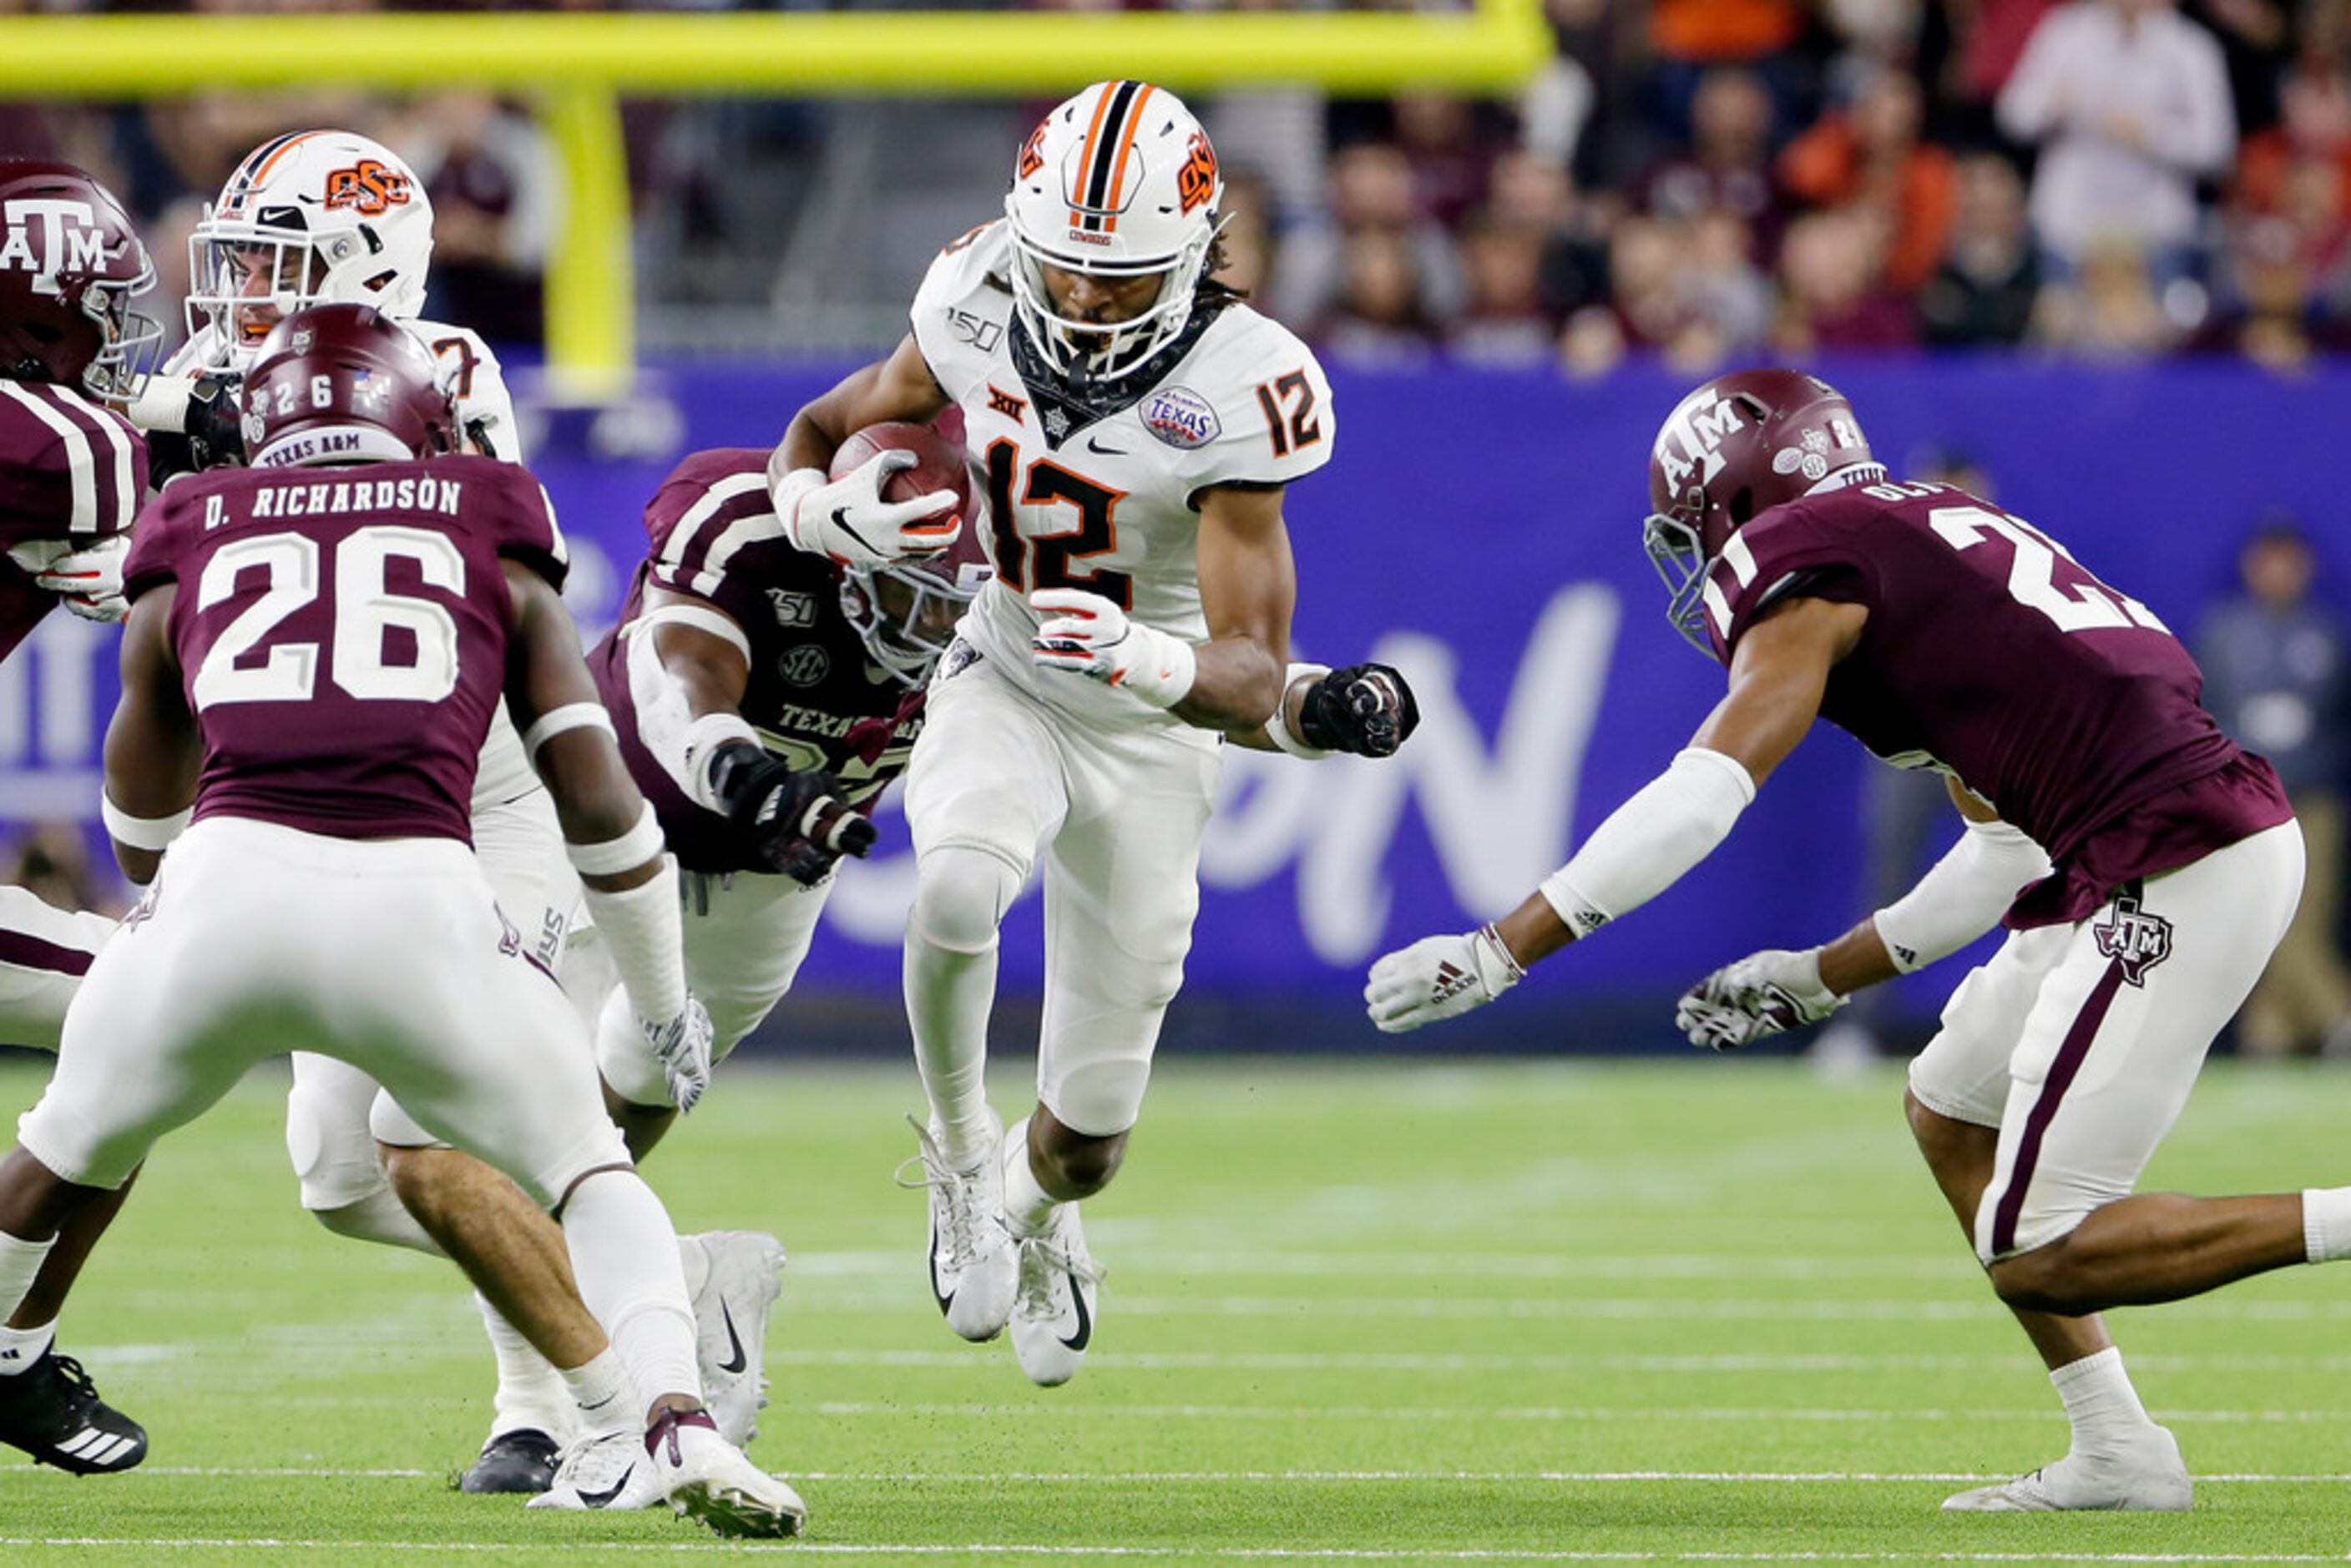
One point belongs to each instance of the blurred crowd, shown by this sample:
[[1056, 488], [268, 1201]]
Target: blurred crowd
[[1702, 180], [1710, 179]]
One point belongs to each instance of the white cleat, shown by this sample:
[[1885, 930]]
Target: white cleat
[[970, 1253], [730, 1327], [705, 1477], [604, 1471], [2150, 1478], [1053, 1313]]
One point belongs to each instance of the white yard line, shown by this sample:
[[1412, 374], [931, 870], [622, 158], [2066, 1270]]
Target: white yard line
[[1221, 1478]]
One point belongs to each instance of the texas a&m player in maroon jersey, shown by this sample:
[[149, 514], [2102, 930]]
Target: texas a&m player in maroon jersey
[[313, 653], [2145, 865], [761, 692], [72, 470]]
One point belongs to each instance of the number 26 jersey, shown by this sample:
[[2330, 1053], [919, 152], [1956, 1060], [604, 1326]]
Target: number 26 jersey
[[1096, 485]]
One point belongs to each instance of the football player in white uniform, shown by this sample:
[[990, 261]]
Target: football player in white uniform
[[333, 218], [1137, 425]]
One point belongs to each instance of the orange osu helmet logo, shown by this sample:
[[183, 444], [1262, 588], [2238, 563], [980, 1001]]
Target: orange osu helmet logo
[[1195, 184], [1032, 155], [367, 187]]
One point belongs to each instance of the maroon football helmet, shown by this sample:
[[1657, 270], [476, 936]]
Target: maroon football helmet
[[345, 383], [1736, 447], [69, 266], [906, 614]]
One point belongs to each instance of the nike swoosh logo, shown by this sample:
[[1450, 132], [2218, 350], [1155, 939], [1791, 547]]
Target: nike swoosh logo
[[739, 1360], [604, 1498], [1096, 446], [1085, 1336], [945, 1298]]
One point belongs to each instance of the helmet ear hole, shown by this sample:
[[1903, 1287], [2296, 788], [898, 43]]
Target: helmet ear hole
[[1741, 507]]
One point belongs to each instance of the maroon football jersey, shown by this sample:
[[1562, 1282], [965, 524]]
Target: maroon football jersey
[[817, 701], [70, 470], [342, 633], [1991, 652]]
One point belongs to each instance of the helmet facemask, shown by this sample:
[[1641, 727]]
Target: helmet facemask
[[1677, 551], [1105, 349], [905, 615], [129, 337]]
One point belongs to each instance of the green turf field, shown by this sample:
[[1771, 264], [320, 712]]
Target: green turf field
[[1527, 1314]]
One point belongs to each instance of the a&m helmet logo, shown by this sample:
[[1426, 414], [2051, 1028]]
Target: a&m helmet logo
[[367, 188], [1689, 449], [47, 235]]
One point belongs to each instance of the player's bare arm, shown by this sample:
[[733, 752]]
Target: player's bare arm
[[1249, 586], [595, 799], [710, 671], [898, 388], [152, 752]]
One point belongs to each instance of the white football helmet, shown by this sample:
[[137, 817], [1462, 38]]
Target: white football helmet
[[312, 217], [1120, 182]]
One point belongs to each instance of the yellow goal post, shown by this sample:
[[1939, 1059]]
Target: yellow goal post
[[576, 68]]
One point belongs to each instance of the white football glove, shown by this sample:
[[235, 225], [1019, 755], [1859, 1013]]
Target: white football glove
[[1761, 995], [1089, 635], [88, 581], [847, 518], [683, 1046], [1440, 977]]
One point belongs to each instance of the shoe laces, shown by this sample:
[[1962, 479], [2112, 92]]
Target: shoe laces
[[1044, 1259], [80, 1392], [954, 1189]]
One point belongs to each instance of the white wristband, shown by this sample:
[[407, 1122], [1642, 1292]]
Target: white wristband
[[570, 716], [786, 490], [142, 832], [613, 857], [1646, 845], [1277, 727], [704, 736]]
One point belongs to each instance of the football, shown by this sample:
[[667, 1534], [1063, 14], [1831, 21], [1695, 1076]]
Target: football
[[939, 463]]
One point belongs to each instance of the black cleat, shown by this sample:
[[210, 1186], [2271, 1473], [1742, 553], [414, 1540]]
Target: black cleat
[[520, 1461], [52, 1411]]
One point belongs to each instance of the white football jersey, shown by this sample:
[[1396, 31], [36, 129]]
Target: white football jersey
[[486, 407], [1107, 505]]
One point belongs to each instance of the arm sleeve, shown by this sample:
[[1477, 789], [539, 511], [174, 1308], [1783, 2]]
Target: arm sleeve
[[1962, 896], [2027, 107], [1269, 420], [1651, 841], [2202, 138], [528, 532]]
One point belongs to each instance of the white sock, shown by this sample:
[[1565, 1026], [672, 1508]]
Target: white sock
[[694, 1259], [2100, 1401], [2326, 1223], [530, 1392], [20, 1265], [19, 1348], [948, 995], [624, 1255], [1027, 1205], [607, 1399]]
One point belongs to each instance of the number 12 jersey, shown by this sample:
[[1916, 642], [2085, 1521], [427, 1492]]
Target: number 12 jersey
[[1097, 486]]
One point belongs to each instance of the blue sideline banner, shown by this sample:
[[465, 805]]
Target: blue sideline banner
[[1481, 531]]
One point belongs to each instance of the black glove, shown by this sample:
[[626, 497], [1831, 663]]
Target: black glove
[[209, 435], [1363, 708], [793, 823]]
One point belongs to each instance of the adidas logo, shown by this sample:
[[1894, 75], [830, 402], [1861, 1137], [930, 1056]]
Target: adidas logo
[[1451, 981]]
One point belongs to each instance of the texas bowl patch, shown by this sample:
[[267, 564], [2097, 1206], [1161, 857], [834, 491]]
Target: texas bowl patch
[[1181, 418]]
